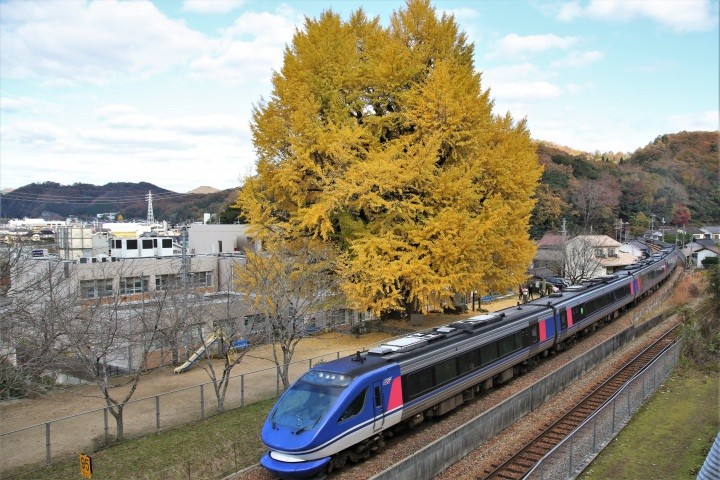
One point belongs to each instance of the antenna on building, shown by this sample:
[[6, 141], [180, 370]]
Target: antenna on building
[[150, 216]]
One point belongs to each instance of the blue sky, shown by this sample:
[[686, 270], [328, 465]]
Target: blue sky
[[162, 91]]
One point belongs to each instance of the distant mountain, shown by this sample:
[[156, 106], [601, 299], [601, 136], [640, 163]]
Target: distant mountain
[[85, 201], [204, 189]]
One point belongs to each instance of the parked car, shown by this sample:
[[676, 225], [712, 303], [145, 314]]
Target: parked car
[[558, 282]]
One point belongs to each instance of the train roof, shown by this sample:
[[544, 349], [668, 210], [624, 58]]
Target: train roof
[[429, 340]]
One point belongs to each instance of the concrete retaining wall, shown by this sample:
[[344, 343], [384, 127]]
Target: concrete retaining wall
[[444, 452]]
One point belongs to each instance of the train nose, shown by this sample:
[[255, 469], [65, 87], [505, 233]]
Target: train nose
[[293, 470]]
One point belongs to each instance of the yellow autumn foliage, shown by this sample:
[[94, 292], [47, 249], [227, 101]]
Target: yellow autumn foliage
[[382, 142]]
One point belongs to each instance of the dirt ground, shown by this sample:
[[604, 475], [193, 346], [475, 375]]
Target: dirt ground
[[71, 428]]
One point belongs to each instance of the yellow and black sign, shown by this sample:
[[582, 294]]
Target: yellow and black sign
[[85, 465]]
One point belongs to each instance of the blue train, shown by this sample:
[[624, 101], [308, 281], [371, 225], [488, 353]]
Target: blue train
[[343, 410]]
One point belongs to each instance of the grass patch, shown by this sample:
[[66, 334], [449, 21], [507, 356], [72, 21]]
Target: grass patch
[[670, 435], [205, 449]]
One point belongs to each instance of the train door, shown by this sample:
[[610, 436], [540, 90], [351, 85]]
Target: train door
[[378, 406]]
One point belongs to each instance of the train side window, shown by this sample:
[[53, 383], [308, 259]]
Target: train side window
[[530, 335], [488, 353], [467, 362], [355, 407], [563, 319], [417, 383], [518, 340], [506, 345], [445, 371]]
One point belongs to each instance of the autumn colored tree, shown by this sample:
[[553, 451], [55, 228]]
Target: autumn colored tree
[[681, 215], [382, 142]]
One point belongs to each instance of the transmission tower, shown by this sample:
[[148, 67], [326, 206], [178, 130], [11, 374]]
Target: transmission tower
[[150, 216]]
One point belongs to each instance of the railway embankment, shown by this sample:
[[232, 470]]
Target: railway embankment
[[433, 459]]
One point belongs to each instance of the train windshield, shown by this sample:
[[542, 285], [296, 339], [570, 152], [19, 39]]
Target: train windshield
[[308, 400]]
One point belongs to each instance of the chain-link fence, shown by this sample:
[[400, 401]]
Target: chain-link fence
[[572, 455], [58, 439]]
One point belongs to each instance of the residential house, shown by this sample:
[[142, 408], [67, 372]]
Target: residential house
[[588, 256], [638, 249], [549, 254], [698, 250], [712, 232]]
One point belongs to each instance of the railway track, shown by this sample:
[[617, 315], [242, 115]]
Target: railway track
[[520, 463]]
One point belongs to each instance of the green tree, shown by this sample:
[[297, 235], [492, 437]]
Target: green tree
[[382, 141]]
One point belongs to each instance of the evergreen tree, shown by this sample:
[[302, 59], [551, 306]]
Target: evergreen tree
[[382, 141]]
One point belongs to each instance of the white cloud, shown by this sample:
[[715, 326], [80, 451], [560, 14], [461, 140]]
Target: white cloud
[[250, 49], [12, 105], [510, 73], [34, 133], [74, 42], [514, 45], [211, 6], [514, 91], [702, 121], [579, 59], [679, 15]]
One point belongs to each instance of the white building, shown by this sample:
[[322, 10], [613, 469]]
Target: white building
[[588, 256]]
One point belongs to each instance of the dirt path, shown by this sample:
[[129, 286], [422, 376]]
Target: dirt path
[[165, 397]]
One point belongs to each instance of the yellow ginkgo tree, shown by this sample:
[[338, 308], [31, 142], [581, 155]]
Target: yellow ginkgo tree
[[381, 142]]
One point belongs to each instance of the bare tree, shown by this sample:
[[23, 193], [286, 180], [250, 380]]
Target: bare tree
[[113, 332], [288, 285], [596, 200], [230, 338], [33, 304], [581, 259]]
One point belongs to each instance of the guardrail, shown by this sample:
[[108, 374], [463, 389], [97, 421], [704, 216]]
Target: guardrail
[[580, 447]]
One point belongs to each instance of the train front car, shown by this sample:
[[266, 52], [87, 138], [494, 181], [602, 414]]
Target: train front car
[[331, 408]]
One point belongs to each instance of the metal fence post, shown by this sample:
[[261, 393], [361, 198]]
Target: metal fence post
[[242, 390], [47, 443], [595, 430], [157, 413], [202, 401], [277, 382], [106, 426]]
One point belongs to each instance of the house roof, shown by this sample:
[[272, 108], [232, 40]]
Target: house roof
[[622, 259], [598, 240], [711, 229], [550, 240], [705, 242], [694, 248], [639, 245], [549, 255]]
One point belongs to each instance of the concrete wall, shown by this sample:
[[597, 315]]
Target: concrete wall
[[441, 454]]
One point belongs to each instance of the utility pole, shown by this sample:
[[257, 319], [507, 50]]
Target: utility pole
[[185, 283]]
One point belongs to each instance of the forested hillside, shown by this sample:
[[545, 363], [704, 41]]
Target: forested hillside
[[52, 200], [675, 178]]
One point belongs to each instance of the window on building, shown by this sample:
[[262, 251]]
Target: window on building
[[202, 279], [147, 243], [166, 243], [165, 282], [130, 285], [96, 288], [132, 244]]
